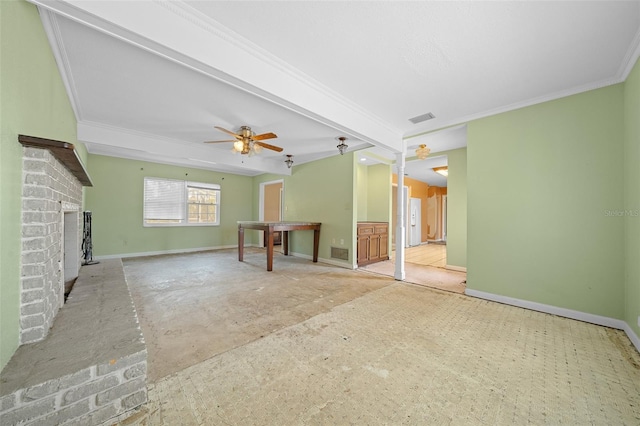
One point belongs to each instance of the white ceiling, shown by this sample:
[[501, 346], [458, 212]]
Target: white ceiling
[[149, 80]]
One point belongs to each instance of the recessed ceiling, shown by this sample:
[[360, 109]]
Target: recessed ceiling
[[312, 71]]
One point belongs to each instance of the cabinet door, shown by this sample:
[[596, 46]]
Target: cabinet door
[[384, 246], [374, 247], [363, 249]]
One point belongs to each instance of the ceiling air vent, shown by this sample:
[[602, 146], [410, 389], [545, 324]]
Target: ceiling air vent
[[421, 118]]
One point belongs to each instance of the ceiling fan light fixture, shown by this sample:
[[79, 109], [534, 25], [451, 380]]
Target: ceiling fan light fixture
[[247, 142], [342, 147], [246, 131], [289, 160], [423, 151]]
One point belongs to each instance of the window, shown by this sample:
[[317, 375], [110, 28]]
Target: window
[[170, 202]]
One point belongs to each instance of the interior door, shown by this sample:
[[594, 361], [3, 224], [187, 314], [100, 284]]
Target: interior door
[[272, 207]]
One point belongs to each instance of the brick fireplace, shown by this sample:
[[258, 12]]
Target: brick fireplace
[[90, 368], [51, 240]]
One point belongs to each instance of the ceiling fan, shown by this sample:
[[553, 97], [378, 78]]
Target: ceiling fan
[[247, 142]]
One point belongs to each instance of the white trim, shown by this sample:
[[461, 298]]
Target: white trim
[[233, 246], [332, 262], [632, 336], [455, 268], [218, 30], [518, 105], [562, 312], [52, 30], [630, 58], [161, 252]]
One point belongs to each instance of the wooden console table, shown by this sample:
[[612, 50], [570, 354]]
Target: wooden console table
[[269, 228]]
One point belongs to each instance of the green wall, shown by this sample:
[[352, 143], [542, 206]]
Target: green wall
[[632, 197], [33, 101], [320, 191], [116, 205], [373, 192], [540, 181], [457, 208], [362, 190], [379, 193]]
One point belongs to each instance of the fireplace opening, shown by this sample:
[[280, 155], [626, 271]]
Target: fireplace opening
[[71, 252]]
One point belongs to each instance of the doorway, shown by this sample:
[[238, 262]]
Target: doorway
[[271, 206]]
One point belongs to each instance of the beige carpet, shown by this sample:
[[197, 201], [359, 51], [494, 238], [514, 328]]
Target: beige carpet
[[430, 276], [406, 354]]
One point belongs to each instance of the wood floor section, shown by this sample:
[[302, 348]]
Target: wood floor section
[[427, 254]]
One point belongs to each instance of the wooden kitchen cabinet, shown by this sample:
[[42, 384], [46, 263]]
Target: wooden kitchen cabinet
[[373, 242]]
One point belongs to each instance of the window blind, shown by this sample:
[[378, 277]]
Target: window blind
[[164, 199]]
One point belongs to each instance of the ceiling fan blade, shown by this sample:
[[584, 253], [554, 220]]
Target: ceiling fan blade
[[271, 147], [264, 136], [230, 140], [228, 131]]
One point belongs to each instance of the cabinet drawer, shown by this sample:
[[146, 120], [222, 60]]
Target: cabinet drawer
[[380, 229], [365, 230]]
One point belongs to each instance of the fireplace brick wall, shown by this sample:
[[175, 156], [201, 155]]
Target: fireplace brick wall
[[47, 186], [64, 374]]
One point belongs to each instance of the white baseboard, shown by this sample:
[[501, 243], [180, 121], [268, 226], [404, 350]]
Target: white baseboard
[[161, 252], [455, 268], [562, 312], [334, 262], [632, 336]]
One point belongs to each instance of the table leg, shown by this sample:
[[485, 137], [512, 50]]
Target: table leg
[[285, 242], [316, 244], [269, 250], [240, 243]]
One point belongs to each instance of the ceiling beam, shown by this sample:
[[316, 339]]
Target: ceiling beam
[[179, 33], [100, 139]]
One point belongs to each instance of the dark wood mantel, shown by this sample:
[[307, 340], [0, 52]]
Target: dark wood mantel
[[65, 152]]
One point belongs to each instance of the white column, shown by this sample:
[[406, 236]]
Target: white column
[[401, 225]]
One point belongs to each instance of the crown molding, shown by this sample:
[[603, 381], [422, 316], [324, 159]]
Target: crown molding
[[209, 24], [626, 66], [630, 59], [517, 105], [52, 30]]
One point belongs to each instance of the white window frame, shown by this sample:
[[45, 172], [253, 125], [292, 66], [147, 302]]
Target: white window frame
[[180, 209]]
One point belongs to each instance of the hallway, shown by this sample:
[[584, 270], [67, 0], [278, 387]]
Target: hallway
[[424, 265]]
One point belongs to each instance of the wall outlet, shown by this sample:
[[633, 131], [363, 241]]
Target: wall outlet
[[341, 241]]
